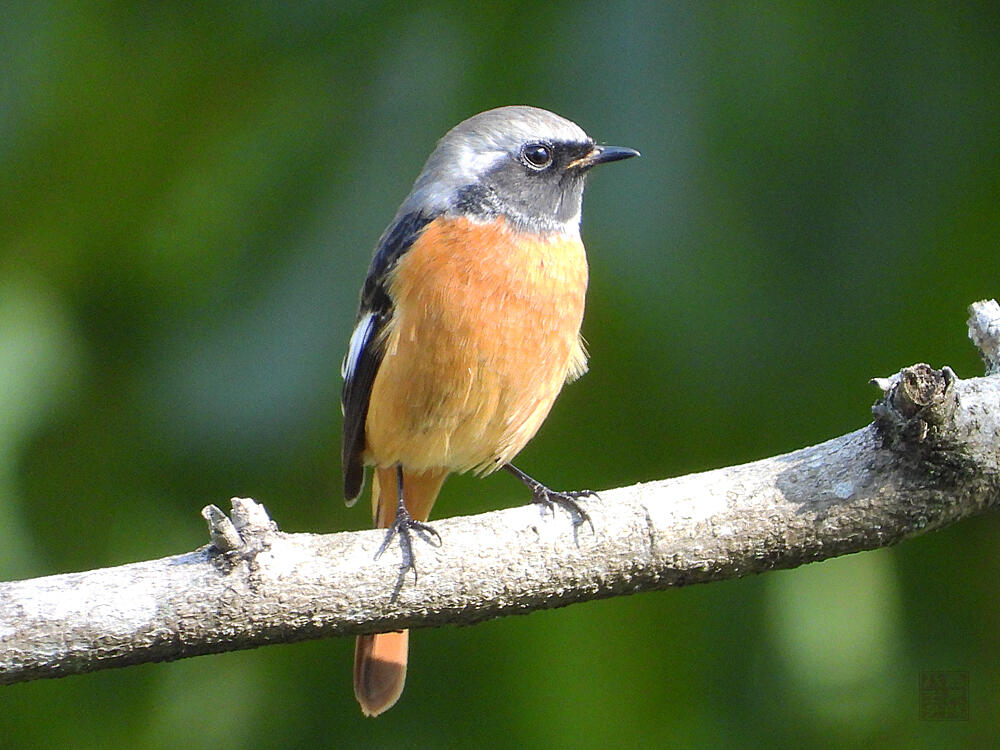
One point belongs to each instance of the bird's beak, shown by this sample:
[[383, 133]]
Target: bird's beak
[[603, 155]]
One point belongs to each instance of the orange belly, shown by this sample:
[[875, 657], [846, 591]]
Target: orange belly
[[485, 332]]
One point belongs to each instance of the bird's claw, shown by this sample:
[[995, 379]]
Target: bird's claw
[[403, 526], [568, 500]]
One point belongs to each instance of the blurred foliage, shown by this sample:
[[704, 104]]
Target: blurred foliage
[[190, 194]]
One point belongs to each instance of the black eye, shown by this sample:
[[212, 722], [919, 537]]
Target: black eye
[[536, 155]]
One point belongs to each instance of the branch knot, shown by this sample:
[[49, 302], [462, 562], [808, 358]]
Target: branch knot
[[245, 533], [917, 394], [917, 401]]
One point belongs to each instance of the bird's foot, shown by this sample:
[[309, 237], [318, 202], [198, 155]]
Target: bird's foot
[[549, 498], [404, 526]]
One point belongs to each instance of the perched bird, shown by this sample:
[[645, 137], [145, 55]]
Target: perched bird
[[469, 325]]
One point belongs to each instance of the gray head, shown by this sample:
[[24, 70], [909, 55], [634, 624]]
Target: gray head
[[523, 163]]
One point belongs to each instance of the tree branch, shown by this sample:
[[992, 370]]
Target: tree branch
[[929, 459]]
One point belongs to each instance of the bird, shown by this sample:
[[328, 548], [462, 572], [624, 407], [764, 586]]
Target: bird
[[468, 327]]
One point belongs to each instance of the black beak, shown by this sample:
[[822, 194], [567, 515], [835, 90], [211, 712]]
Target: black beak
[[603, 155]]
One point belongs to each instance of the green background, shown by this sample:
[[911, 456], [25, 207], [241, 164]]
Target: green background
[[189, 196]]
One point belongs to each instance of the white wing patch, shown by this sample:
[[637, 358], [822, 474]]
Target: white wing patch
[[359, 340]]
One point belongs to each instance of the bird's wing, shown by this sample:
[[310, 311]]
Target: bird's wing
[[367, 347]]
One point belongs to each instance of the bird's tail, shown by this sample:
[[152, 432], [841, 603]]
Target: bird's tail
[[380, 658]]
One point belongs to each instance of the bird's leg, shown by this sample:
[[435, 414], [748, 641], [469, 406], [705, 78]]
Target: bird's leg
[[550, 498], [403, 525]]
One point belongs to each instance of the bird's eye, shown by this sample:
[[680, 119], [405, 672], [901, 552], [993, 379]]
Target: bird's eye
[[536, 155]]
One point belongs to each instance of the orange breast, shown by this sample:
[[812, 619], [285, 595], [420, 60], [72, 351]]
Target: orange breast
[[486, 330]]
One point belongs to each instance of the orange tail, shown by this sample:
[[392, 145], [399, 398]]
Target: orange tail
[[380, 658]]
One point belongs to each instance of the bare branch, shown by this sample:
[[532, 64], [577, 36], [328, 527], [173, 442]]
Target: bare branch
[[929, 459], [984, 330]]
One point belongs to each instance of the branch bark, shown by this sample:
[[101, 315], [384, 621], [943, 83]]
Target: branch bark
[[929, 459]]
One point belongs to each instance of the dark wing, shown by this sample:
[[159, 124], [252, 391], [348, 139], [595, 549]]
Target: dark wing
[[367, 347]]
